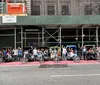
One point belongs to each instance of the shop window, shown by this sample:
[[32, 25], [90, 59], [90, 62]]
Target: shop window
[[36, 10], [50, 10], [88, 9], [65, 10]]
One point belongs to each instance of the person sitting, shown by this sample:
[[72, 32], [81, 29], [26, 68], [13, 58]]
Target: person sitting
[[71, 53], [39, 53], [91, 54]]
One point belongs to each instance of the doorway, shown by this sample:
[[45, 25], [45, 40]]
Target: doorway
[[32, 36]]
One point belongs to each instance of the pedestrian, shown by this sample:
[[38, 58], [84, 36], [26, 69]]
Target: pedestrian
[[15, 54], [84, 50], [64, 52], [98, 50], [20, 53], [35, 53]]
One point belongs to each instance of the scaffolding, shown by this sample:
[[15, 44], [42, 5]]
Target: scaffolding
[[59, 38], [45, 41]]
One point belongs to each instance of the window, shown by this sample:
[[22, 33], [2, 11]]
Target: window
[[50, 10], [99, 10], [65, 10], [1, 6], [15, 1], [2, 0], [36, 10], [88, 9], [0, 10]]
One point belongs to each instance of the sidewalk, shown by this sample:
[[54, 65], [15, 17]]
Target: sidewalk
[[49, 63]]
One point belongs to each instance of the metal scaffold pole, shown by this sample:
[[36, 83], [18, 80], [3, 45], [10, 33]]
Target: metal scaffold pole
[[38, 39], [15, 37], [97, 36], [25, 38], [42, 36], [22, 38], [77, 34], [82, 37], [60, 28]]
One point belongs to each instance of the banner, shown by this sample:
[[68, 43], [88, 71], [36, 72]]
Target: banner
[[9, 19], [15, 8]]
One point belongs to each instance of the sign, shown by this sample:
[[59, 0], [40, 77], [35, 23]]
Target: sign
[[15, 8], [29, 30], [9, 19]]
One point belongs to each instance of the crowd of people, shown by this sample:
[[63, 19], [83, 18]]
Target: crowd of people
[[8, 53], [18, 53], [83, 52], [94, 51]]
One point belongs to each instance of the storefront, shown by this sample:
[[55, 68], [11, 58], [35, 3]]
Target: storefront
[[22, 36]]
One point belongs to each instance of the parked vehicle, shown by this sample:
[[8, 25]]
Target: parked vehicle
[[27, 54], [91, 52], [72, 53], [55, 53], [43, 54]]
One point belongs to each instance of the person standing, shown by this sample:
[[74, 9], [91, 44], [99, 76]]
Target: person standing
[[20, 53], [84, 50], [98, 50], [35, 53], [64, 52], [15, 54]]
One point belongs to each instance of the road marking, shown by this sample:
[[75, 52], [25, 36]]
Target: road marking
[[76, 75], [18, 65]]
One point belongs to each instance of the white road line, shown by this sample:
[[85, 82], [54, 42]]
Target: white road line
[[17, 65], [76, 75]]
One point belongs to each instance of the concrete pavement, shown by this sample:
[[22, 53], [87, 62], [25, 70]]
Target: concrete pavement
[[33, 75]]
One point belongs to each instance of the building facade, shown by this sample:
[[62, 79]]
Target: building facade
[[63, 7], [50, 22]]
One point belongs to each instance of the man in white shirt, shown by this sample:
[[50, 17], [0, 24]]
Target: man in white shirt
[[64, 52], [84, 50], [15, 54], [35, 52]]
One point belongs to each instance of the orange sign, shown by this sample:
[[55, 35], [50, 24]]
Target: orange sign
[[15, 8]]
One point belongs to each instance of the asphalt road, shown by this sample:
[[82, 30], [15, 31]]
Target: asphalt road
[[33, 75]]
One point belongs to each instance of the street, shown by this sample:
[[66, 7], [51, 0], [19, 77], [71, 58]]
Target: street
[[33, 75]]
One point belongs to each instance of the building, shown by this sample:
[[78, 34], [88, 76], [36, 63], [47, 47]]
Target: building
[[49, 22]]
